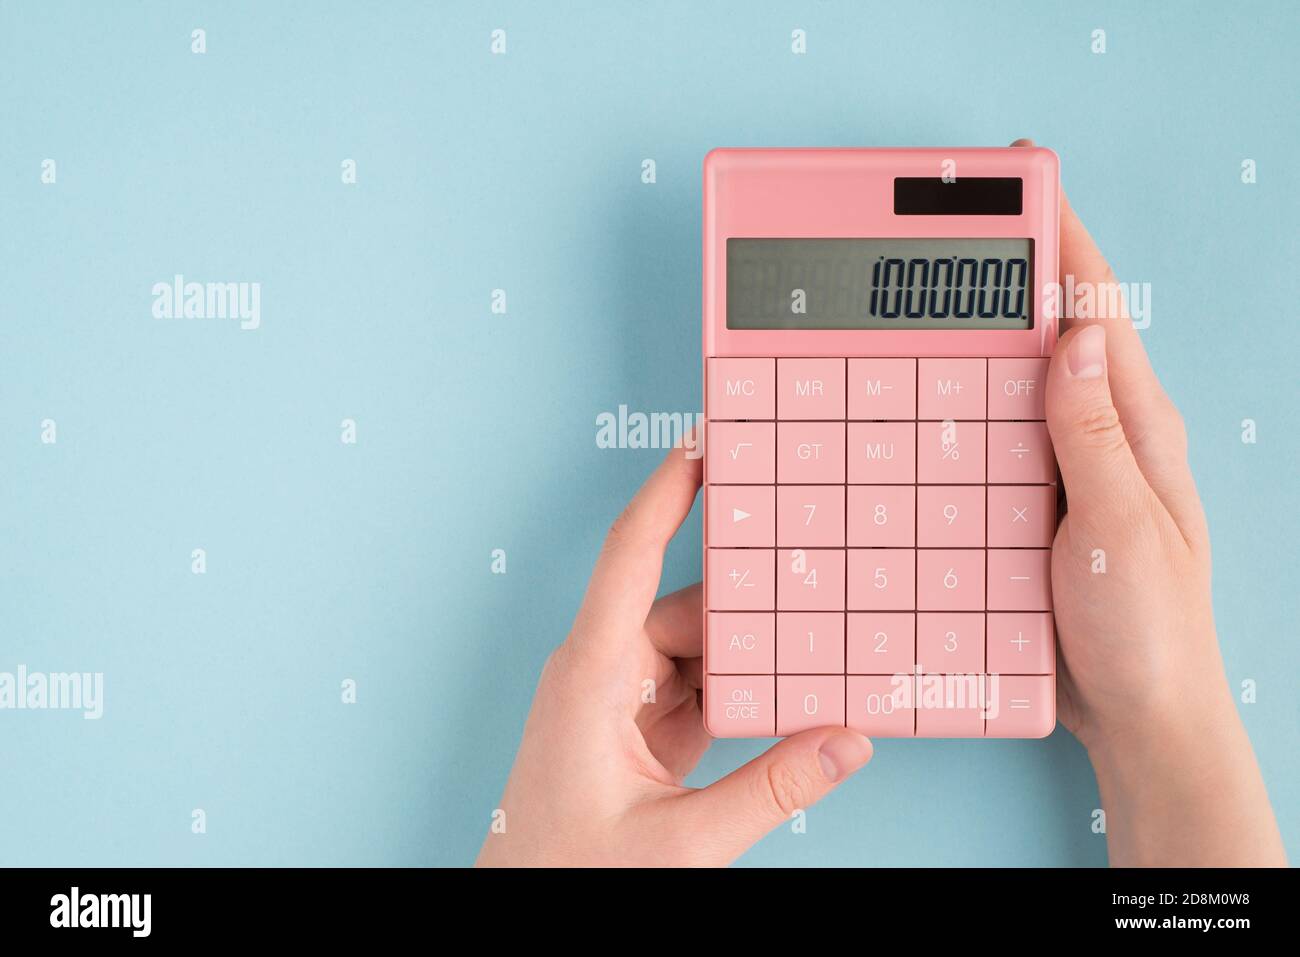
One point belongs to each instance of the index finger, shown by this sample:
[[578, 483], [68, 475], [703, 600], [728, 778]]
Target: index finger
[[1151, 422], [1082, 262], [626, 577]]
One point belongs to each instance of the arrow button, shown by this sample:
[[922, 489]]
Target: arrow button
[[741, 516]]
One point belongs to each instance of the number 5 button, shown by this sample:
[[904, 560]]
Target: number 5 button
[[882, 579]]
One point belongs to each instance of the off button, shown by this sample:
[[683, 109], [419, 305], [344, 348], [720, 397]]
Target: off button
[[1016, 388]]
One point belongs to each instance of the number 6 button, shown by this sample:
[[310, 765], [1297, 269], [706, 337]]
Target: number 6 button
[[950, 579]]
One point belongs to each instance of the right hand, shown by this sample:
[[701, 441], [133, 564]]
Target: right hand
[[1141, 682]]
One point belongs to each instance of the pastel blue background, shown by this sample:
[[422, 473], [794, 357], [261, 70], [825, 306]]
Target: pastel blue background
[[476, 431]]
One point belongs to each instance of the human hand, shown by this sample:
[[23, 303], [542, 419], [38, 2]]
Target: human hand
[[1141, 681], [598, 777]]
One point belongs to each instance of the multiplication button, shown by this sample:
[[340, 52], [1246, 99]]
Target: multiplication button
[[1021, 516]]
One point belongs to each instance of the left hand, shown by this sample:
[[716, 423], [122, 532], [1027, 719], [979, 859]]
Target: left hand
[[598, 777]]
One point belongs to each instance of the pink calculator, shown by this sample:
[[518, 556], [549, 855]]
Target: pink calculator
[[880, 489]]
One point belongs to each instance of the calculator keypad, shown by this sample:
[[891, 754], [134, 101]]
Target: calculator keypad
[[872, 520]]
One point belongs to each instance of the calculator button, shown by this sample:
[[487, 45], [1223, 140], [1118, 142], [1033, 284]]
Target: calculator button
[[1021, 643], [1022, 516], [809, 701], [949, 453], [810, 516], [882, 389], [882, 579], [881, 643], [740, 706], [950, 388], [1020, 579], [810, 388], [810, 579], [742, 388], [1016, 388], [882, 516], [1021, 706], [882, 453], [1020, 452], [810, 453], [879, 706], [741, 643], [741, 579], [742, 516], [809, 642], [950, 642], [950, 516], [951, 706], [741, 453], [950, 579]]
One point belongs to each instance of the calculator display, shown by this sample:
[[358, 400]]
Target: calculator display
[[880, 283]]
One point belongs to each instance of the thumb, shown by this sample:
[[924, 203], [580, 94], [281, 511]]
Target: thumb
[[727, 817], [1097, 465]]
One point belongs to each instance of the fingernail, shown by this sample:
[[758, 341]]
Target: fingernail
[[843, 753], [1086, 357]]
